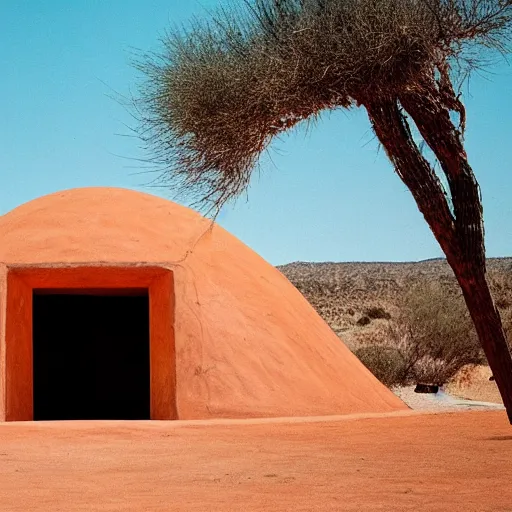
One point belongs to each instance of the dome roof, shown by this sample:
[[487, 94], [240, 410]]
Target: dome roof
[[99, 225], [247, 342]]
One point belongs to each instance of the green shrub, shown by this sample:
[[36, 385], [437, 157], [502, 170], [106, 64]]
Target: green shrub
[[386, 363]]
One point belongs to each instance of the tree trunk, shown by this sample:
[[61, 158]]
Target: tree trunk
[[430, 111], [490, 331], [460, 234]]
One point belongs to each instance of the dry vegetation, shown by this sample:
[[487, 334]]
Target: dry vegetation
[[344, 293], [407, 322]]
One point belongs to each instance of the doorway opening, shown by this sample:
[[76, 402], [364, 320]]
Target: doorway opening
[[101, 319], [91, 354]]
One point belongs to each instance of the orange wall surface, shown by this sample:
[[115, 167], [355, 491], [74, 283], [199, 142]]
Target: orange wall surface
[[247, 342], [3, 300]]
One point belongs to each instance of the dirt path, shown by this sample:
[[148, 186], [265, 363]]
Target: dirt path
[[410, 461]]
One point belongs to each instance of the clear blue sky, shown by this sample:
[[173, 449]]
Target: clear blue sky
[[327, 195]]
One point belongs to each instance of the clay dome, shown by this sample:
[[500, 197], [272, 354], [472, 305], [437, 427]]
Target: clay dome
[[245, 342]]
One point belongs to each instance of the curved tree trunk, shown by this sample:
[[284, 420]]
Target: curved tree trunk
[[490, 332], [459, 233]]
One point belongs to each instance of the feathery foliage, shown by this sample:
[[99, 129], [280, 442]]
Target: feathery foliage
[[218, 93]]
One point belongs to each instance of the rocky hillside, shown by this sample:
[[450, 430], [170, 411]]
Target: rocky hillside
[[342, 293]]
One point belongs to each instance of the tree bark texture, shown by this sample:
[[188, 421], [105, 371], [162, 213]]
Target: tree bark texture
[[490, 333], [459, 232]]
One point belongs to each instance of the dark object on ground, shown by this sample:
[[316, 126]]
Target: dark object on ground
[[364, 320], [376, 313], [426, 388]]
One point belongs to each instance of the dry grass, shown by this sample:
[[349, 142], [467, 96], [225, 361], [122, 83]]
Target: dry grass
[[472, 383]]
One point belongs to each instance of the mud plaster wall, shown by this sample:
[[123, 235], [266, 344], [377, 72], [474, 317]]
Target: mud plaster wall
[[247, 342], [3, 290], [18, 349]]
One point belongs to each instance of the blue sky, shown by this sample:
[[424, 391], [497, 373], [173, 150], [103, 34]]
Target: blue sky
[[324, 195]]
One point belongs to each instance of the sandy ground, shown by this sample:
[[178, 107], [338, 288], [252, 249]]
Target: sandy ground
[[401, 461], [445, 400], [471, 389]]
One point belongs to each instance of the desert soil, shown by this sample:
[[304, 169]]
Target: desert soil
[[396, 462]]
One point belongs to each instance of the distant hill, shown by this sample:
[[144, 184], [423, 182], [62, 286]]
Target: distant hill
[[342, 292]]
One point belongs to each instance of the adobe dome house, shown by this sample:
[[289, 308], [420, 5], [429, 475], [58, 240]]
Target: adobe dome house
[[116, 304]]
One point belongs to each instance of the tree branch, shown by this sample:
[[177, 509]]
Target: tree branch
[[431, 115], [392, 129]]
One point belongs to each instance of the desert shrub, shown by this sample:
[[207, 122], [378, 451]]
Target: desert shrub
[[376, 313], [386, 363], [500, 284], [364, 320], [435, 334], [506, 318], [502, 303]]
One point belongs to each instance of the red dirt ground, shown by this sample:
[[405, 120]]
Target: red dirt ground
[[395, 462]]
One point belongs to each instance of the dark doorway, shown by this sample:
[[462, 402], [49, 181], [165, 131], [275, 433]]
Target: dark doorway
[[91, 355]]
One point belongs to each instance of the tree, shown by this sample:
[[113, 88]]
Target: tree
[[220, 91]]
